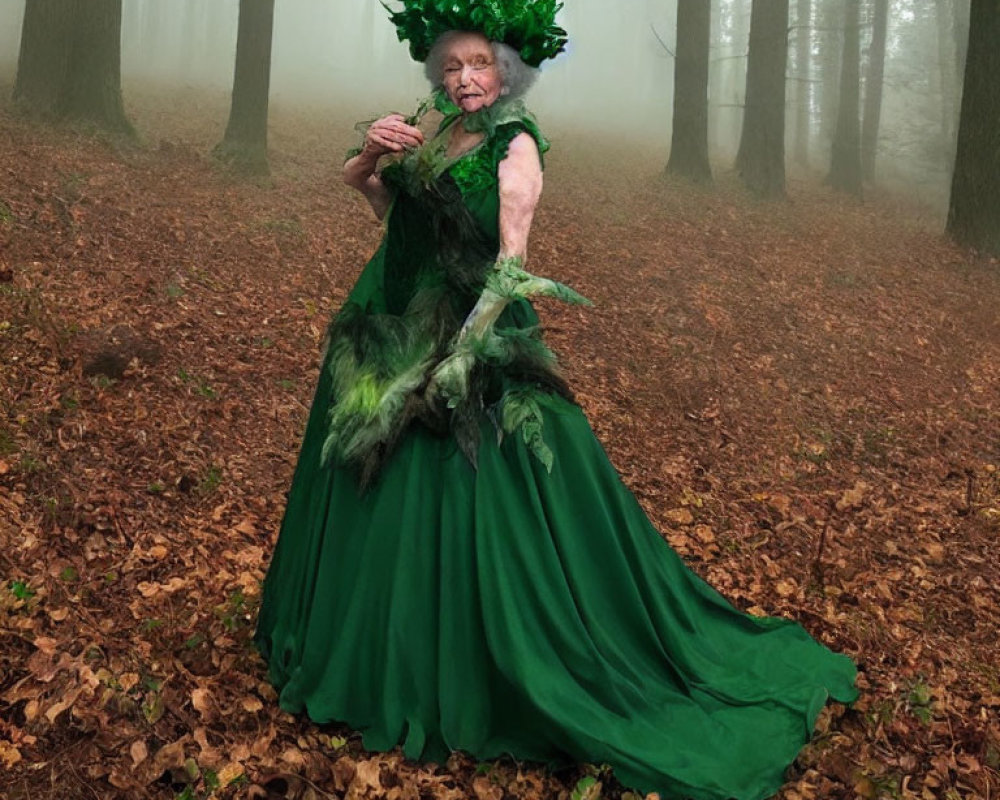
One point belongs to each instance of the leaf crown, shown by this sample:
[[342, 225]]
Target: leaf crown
[[526, 25]]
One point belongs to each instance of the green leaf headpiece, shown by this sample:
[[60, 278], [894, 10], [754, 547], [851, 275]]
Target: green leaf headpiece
[[526, 25]]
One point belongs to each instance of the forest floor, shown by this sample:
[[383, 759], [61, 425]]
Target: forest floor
[[804, 395]]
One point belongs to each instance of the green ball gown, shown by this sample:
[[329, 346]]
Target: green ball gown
[[477, 577]]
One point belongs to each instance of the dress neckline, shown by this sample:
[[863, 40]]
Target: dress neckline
[[438, 147], [451, 159]]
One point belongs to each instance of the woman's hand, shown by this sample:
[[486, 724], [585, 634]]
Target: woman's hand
[[391, 134]]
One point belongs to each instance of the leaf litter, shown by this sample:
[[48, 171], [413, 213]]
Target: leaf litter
[[803, 396]]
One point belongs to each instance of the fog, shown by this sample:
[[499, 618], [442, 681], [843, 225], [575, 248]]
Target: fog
[[616, 78], [615, 75]]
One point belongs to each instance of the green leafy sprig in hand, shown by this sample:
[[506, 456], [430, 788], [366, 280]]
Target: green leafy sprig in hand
[[433, 101], [510, 280], [426, 105]]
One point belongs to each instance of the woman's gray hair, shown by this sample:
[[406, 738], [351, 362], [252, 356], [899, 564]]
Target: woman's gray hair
[[515, 76]]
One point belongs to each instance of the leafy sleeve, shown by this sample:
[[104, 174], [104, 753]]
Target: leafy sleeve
[[507, 131]]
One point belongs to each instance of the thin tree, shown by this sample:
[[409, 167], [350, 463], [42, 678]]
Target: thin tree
[[829, 22], [873, 90], [974, 213], [960, 33], [716, 78], [727, 74], [735, 70], [689, 142], [69, 64], [948, 77], [803, 88], [845, 164], [244, 145], [761, 157]]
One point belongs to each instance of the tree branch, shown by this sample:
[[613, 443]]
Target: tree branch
[[663, 44]]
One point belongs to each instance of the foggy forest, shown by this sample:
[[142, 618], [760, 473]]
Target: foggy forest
[[786, 214]]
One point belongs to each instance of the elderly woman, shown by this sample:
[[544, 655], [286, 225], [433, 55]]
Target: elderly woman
[[460, 567]]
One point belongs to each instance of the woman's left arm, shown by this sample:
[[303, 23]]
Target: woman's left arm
[[520, 179]]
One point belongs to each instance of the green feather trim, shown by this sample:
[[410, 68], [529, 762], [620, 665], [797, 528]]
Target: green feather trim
[[379, 365], [513, 345]]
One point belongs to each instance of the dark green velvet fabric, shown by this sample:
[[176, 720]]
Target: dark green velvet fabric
[[512, 610]]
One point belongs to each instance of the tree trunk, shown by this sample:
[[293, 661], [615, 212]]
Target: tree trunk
[[716, 80], [873, 90], [740, 13], [70, 61], [43, 62], [974, 215], [845, 165], [946, 80], [803, 88], [689, 144], [734, 67], [831, 48], [94, 89], [960, 33], [245, 142], [761, 157]]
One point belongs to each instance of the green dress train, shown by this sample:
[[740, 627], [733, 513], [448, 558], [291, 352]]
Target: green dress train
[[476, 576]]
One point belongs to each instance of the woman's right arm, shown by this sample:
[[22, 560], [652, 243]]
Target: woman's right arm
[[390, 134]]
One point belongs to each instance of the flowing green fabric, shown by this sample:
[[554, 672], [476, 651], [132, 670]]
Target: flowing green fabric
[[503, 607]]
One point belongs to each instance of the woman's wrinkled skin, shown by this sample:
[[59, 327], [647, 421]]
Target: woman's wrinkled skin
[[471, 75], [472, 82]]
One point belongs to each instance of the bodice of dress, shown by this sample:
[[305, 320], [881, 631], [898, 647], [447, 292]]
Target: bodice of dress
[[445, 214], [401, 319]]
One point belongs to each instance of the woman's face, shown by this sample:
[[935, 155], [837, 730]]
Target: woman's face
[[471, 76]]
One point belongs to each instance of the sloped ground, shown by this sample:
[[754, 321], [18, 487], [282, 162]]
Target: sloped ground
[[805, 397]]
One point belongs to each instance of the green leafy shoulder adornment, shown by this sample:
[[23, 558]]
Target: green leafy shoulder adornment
[[529, 26], [476, 171], [499, 123]]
